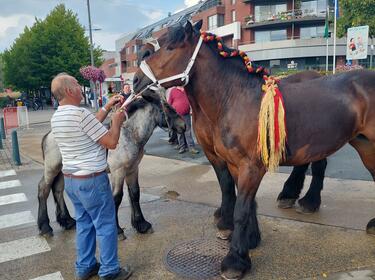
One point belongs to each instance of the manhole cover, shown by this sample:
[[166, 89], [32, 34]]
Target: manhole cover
[[197, 259]]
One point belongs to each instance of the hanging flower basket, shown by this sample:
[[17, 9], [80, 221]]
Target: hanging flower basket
[[92, 73]]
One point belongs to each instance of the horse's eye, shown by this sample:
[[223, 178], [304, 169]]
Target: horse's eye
[[146, 54]]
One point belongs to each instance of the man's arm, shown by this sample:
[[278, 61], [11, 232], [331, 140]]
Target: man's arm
[[110, 139]]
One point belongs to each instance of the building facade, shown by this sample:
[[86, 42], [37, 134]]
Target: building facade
[[278, 34]]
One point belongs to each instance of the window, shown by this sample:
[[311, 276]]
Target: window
[[233, 2], [135, 49], [127, 50], [233, 15], [312, 32], [270, 35], [215, 21], [135, 63], [268, 12], [314, 8]]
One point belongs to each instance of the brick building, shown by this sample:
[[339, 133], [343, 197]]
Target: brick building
[[278, 34]]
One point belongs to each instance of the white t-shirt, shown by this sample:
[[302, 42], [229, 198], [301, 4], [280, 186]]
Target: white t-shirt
[[76, 132]]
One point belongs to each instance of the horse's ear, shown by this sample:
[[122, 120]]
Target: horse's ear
[[198, 25], [188, 29]]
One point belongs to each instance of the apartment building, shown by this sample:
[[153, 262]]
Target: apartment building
[[278, 34]]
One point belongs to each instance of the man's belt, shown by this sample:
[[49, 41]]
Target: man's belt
[[84, 176]]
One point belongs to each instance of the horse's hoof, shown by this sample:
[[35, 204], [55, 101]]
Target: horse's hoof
[[234, 267], [231, 275], [304, 210], [46, 231], [143, 227], [224, 234], [70, 224], [121, 236], [370, 228], [286, 203]]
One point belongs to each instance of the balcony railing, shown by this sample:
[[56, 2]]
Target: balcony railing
[[285, 16]]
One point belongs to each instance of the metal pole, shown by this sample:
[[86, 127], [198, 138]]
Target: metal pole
[[3, 134], [1, 144], [15, 149], [293, 20], [334, 38], [92, 86], [372, 51], [327, 16]]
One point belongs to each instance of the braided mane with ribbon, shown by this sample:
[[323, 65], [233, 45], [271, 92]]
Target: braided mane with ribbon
[[272, 133]]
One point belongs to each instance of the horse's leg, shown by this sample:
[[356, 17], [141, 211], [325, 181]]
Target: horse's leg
[[62, 214], [292, 187], [224, 214], [310, 203], [246, 234], [137, 218], [117, 182], [43, 220], [366, 150]]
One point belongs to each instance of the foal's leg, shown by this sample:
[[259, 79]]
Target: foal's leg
[[366, 150], [117, 182], [137, 219], [43, 219], [292, 187], [62, 214], [310, 203], [246, 234]]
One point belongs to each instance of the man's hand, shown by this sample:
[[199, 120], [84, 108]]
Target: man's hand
[[118, 118], [117, 99]]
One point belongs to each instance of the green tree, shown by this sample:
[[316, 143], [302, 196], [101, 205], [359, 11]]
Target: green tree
[[53, 45], [1, 73], [356, 13]]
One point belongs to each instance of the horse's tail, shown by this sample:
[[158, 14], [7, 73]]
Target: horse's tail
[[43, 142]]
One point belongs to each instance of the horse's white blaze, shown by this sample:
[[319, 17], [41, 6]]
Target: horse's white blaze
[[52, 276], [16, 219], [12, 198], [10, 184], [23, 248], [6, 173]]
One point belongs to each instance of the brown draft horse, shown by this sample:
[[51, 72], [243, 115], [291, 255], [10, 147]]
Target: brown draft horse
[[322, 115]]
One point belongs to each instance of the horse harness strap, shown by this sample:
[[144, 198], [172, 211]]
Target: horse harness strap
[[184, 76]]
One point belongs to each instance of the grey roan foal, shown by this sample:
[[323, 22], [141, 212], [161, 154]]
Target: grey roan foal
[[144, 115]]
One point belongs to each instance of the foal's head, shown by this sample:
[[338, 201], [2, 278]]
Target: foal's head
[[164, 114]]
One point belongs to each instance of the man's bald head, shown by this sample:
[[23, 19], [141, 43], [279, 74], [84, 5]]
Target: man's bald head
[[60, 84]]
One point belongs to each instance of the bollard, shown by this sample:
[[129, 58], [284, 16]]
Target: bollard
[[1, 144], [2, 128], [15, 149]]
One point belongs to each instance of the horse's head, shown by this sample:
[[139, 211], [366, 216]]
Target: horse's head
[[174, 53], [166, 114]]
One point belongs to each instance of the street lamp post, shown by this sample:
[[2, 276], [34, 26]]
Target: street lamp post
[[92, 85]]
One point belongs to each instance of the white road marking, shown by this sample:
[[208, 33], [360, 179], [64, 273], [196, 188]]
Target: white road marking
[[5, 173], [10, 184], [52, 276], [12, 198], [16, 219], [22, 248]]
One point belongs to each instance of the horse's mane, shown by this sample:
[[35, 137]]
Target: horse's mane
[[177, 35]]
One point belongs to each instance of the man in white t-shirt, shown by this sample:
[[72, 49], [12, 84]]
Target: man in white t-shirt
[[82, 140]]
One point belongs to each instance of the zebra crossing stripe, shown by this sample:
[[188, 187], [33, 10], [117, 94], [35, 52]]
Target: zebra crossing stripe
[[10, 184], [5, 173], [12, 198], [16, 219], [23, 248], [52, 276]]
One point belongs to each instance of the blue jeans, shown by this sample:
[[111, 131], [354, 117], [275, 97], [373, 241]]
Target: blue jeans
[[95, 215]]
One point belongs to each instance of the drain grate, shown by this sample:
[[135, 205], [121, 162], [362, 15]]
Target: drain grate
[[197, 259]]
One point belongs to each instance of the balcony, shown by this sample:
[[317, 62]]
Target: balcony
[[285, 18]]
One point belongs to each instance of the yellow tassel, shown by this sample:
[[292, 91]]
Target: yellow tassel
[[271, 155]]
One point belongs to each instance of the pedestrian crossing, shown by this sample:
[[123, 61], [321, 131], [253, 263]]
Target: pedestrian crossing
[[24, 247]]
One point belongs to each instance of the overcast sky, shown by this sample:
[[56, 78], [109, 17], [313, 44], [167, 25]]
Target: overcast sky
[[113, 17]]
